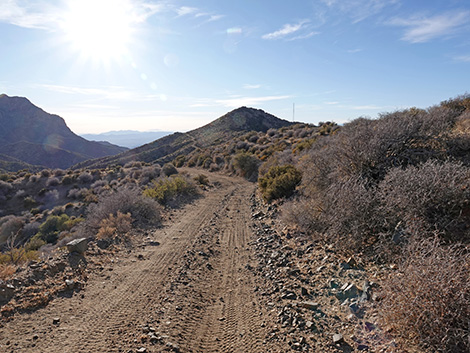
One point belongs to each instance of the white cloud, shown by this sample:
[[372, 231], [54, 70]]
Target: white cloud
[[248, 101], [424, 29], [186, 10], [285, 31], [304, 36], [40, 14], [248, 86], [359, 10]]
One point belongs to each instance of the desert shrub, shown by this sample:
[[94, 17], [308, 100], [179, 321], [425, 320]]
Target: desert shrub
[[432, 196], [68, 179], [10, 226], [246, 165], [54, 224], [6, 271], [143, 211], [99, 184], [33, 179], [179, 161], [30, 229], [45, 173], [133, 164], [241, 145], [58, 172], [85, 178], [427, 303], [279, 182], [52, 182], [51, 196], [171, 190], [458, 104], [169, 169], [5, 189], [17, 256], [114, 226], [77, 194], [35, 243], [202, 179]]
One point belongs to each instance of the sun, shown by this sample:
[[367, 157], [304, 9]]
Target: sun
[[99, 30]]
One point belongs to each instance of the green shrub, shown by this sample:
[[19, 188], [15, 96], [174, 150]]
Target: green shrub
[[279, 181], [171, 189], [53, 225], [247, 165]]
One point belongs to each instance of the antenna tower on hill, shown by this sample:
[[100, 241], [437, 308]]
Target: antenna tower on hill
[[293, 112]]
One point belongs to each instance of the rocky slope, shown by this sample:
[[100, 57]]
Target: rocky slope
[[32, 136]]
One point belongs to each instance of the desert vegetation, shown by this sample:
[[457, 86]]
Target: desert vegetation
[[396, 190], [393, 192], [52, 207]]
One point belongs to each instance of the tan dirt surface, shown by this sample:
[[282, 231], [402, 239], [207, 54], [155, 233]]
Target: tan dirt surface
[[194, 292]]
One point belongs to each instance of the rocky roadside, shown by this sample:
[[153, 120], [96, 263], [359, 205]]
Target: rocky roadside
[[323, 302]]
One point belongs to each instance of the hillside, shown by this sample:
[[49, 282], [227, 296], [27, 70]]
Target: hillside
[[30, 135], [229, 126]]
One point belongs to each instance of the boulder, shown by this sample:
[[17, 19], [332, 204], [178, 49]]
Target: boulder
[[78, 246]]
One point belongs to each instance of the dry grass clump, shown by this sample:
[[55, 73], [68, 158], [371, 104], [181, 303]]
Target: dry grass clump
[[114, 226], [427, 302]]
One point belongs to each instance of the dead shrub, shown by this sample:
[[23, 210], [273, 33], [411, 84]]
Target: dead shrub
[[114, 226], [143, 211], [427, 302], [432, 196]]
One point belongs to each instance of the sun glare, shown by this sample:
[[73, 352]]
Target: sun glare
[[99, 30]]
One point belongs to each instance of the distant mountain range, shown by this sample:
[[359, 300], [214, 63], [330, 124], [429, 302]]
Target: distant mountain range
[[127, 138], [31, 138], [233, 124]]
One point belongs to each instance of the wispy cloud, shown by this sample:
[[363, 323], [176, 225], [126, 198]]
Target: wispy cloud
[[353, 51], [40, 14], [249, 86], [463, 58], [424, 29], [197, 13], [287, 30], [248, 101], [359, 10]]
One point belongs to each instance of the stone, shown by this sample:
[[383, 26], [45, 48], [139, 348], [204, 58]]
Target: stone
[[70, 283], [7, 291], [304, 291], [337, 338], [289, 295], [77, 246], [348, 291], [309, 305], [56, 321]]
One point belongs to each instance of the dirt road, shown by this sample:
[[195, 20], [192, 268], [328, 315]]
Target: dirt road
[[192, 293]]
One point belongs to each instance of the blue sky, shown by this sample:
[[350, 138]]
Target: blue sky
[[175, 65]]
